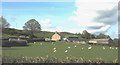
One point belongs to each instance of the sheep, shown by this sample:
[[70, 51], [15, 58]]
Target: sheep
[[110, 47], [34, 42], [69, 47], [66, 51], [75, 46], [52, 42], [82, 48], [103, 48], [89, 48], [54, 51], [54, 48], [41, 43]]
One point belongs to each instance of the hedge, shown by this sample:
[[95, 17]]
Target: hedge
[[7, 43], [36, 40]]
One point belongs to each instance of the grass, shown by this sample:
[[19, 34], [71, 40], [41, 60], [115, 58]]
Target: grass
[[46, 49]]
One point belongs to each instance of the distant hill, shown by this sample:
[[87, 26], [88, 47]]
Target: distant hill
[[7, 32]]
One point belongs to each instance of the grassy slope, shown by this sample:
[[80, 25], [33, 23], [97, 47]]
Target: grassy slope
[[49, 34], [13, 32], [37, 50]]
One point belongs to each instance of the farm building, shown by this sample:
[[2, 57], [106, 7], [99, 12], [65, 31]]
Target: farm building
[[56, 37], [76, 39], [13, 38], [24, 36], [100, 41], [72, 39]]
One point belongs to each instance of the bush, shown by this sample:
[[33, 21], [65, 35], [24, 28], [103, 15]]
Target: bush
[[7, 43], [36, 40]]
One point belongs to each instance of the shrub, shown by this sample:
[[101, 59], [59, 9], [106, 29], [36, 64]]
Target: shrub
[[36, 40], [7, 43]]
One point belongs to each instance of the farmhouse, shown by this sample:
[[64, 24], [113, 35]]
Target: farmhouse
[[76, 39], [100, 41], [56, 37]]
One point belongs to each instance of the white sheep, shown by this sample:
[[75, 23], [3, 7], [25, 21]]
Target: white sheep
[[41, 43], [54, 48], [82, 48], [69, 47], [110, 47], [103, 48], [52, 42], [75, 46], [54, 51], [66, 51], [34, 42], [89, 48]]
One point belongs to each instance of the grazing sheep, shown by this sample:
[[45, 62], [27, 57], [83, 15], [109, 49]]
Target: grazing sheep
[[54, 51], [116, 48], [52, 42], [34, 42], [69, 47], [75, 46], [110, 47], [103, 48], [66, 51], [54, 48], [41, 43], [82, 48], [89, 48]]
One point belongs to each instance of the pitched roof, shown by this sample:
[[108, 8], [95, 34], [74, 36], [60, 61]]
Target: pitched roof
[[58, 33]]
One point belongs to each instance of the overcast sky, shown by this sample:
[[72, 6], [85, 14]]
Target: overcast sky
[[95, 16]]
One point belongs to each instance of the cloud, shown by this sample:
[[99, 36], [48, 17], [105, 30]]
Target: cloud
[[103, 29], [46, 25], [108, 17], [95, 16]]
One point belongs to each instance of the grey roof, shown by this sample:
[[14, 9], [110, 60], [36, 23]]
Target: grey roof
[[75, 39]]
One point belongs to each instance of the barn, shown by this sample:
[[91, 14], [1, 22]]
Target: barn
[[100, 41], [76, 39], [56, 37]]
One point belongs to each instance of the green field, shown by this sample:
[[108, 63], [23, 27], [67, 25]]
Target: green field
[[80, 51]]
